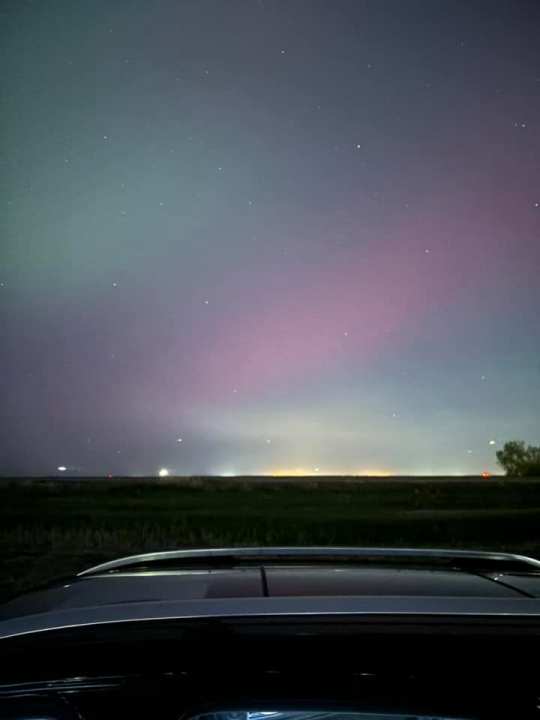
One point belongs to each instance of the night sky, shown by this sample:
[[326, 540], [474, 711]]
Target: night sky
[[268, 236]]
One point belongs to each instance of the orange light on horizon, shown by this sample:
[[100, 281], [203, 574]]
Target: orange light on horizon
[[290, 472], [373, 473], [318, 471]]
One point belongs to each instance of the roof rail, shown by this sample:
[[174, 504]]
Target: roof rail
[[219, 557]]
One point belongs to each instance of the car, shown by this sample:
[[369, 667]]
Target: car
[[279, 634]]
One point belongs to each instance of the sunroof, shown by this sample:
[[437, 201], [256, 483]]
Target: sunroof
[[347, 581]]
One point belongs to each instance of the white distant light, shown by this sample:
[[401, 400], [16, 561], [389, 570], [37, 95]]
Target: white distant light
[[206, 302], [283, 51], [268, 441], [179, 440], [163, 472], [358, 146], [61, 468], [492, 442], [316, 469]]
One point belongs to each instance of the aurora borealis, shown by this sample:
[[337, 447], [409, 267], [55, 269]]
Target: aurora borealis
[[245, 236]]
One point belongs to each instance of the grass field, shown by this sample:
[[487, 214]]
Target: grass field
[[52, 528]]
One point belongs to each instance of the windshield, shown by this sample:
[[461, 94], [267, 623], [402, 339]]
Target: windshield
[[315, 715], [268, 277]]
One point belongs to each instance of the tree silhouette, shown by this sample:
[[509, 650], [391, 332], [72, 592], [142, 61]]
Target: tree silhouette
[[519, 460]]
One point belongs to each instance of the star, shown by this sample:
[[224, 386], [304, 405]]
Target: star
[[179, 440], [283, 51], [358, 146], [61, 468], [206, 302], [537, 204], [483, 378], [346, 334], [115, 284], [105, 137]]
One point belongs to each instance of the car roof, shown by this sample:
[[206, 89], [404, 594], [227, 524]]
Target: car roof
[[275, 581]]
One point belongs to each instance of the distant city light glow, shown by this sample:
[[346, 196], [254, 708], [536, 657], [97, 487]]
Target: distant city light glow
[[306, 472]]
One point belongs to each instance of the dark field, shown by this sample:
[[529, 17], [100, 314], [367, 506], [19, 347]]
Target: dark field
[[52, 528]]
